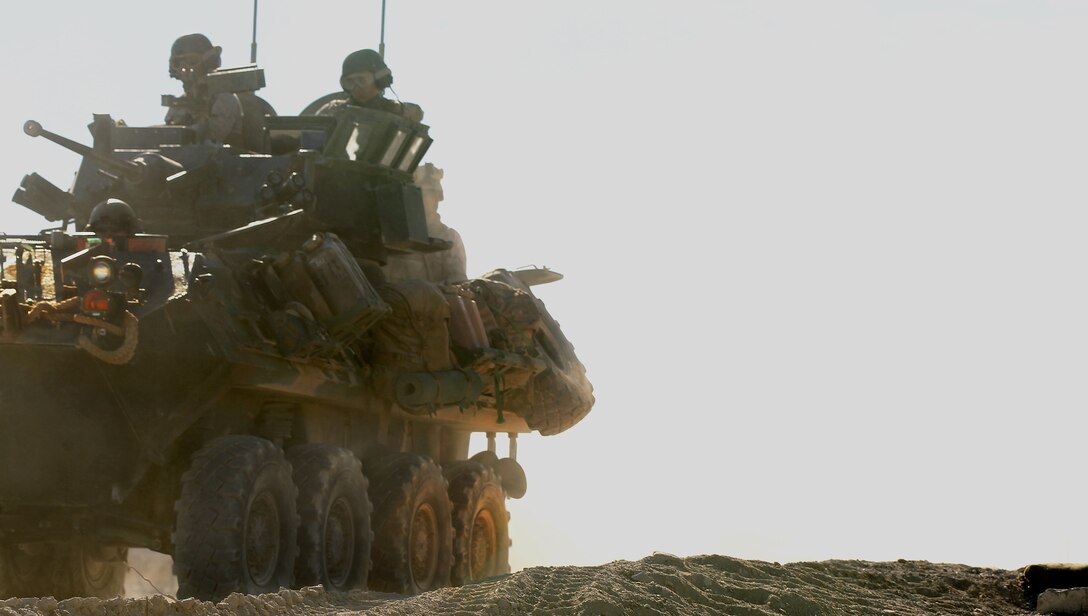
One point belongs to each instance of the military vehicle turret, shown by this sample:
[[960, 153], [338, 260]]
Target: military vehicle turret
[[223, 371]]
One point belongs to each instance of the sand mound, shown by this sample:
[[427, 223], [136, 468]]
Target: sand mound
[[659, 584]]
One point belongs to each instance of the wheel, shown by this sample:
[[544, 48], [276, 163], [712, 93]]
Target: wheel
[[481, 533], [334, 534], [95, 570], [23, 569], [79, 569], [236, 525], [413, 531]]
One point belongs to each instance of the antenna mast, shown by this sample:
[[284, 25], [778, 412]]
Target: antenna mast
[[253, 46], [381, 44]]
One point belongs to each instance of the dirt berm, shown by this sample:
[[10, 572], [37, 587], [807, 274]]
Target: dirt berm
[[658, 584]]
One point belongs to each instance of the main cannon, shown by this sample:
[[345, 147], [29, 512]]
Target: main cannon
[[351, 176]]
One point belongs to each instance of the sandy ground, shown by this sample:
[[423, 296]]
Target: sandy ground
[[658, 584]]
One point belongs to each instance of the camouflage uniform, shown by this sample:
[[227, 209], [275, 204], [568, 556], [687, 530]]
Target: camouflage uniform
[[222, 122], [218, 119], [368, 65]]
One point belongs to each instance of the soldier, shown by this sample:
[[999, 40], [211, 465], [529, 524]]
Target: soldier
[[365, 77], [231, 118], [113, 217]]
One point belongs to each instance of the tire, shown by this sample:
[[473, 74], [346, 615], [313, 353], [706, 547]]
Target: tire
[[96, 570], [334, 535], [24, 570], [237, 527], [413, 530], [481, 532], [78, 569]]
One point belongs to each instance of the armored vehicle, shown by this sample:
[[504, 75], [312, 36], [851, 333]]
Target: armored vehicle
[[210, 358]]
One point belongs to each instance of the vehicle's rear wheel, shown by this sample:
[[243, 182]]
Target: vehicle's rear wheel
[[236, 520], [78, 569], [23, 569], [481, 534], [413, 532], [96, 570], [334, 536]]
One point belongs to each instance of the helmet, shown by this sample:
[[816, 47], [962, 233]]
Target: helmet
[[192, 51], [367, 60], [113, 216]]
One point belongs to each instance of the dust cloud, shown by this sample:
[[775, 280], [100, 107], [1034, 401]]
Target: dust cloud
[[149, 574]]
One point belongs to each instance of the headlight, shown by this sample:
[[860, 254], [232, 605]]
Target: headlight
[[103, 270]]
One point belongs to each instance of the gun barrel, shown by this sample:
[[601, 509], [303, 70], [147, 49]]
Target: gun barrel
[[132, 171]]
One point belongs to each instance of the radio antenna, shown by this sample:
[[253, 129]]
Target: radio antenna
[[381, 44], [253, 45]]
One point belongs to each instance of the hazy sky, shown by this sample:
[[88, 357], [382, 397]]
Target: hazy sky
[[825, 260]]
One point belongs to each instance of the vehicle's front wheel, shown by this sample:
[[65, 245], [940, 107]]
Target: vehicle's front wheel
[[481, 540], [413, 532], [334, 536], [236, 520]]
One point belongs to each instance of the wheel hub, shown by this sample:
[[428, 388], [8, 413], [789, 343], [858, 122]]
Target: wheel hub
[[423, 546], [262, 539], [339, 542], [483, 546], [98, 564]]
